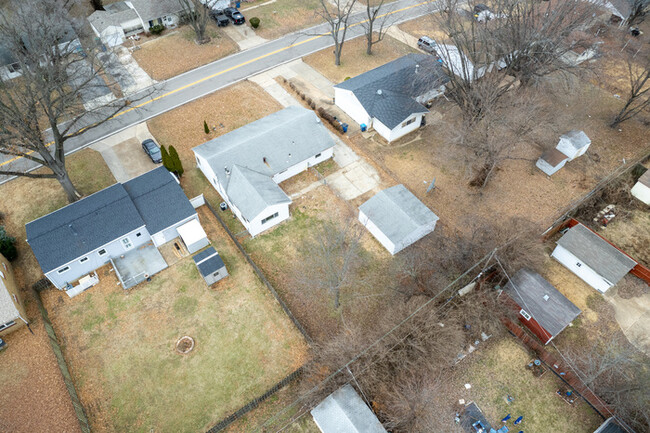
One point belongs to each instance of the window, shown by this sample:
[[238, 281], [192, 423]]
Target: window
[[269, 218], [84, 260], [126, 243], [216, 274], [137, 235], [318, 155], [525, 314], [65, 269], [7, 325], [101, 252], [14, 67], [408, 122]]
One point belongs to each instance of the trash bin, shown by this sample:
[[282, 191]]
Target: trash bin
[[237, 4], [363, 127], [345, 127]]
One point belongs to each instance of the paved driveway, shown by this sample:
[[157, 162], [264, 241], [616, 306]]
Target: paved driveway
[[633, 315]]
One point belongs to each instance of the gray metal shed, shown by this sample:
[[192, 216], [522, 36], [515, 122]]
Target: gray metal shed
[[344, 411], [210, 265]]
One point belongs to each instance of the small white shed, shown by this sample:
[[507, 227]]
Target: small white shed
[[573, 144], [641, 188], [396, 218], [551, 161], [193, 235], [344, 411]]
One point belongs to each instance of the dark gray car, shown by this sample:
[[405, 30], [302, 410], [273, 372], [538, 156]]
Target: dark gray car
[[151, 148]]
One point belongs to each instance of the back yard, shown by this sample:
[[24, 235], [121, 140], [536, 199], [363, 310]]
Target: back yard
[[120, 345]]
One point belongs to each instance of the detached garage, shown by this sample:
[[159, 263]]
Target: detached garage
[[396, 218], [592, 258]]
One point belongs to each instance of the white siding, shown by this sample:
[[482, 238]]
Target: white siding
[[567, 148], [399, 131], [415, 236], [303, 165], [256, 227], [377, 233], [348, 102], [583, 271], [548, 168], [170, 233], [641, 192]]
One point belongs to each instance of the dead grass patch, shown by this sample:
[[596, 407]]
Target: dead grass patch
[[171, 55], [282, 17]]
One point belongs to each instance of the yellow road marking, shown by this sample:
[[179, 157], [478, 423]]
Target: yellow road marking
[[232, 68]]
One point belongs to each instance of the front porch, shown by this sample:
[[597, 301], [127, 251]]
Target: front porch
[[136, 266]]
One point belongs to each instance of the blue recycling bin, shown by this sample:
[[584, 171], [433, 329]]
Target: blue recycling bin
[[363, 127], [237, 4], [345, 127]]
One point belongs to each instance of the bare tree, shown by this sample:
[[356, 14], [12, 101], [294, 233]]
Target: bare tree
[[56, 77], [376, 23], [331, 259], [336, 14], [639, 8], [198, 13], [638, 97]]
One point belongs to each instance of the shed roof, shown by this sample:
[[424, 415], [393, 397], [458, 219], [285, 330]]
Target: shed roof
[[550, 308], [397, 212], [554, 157], [208, 261], [8, 310], [153, 9], [607, 260], [645, 178], [252, 192], [611, 426], [343, 411], [578, 139], [388, 92], [6, 57]]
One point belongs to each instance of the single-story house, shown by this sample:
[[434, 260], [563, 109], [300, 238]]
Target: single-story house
[[391, 98], [573, 144], [396, 218], [541, 307], [593, 259], [472, 420], [12, 310], [551, 161], [246, 165], [154, 12], [344, 411], [10, 67], [115, 23], [613, 425], [210, 266], [621, 9], [641, 188], [123, 224]]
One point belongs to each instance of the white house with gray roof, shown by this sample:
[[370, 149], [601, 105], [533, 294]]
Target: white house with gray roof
[[115, 23], [344, 411], [246, 165], [391, 98], [593, 259], [396, 218], [573, 144], [122, 224]]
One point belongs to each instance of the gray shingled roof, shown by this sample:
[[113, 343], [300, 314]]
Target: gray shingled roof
[[397, 212], [8, 310], [6, 57], [208, 261], [159, 199], [344, 411], [611, 426], [153, 9], [554, 157], [252, 192], [83, 226], [114, 15], [578, 139], [529, 289], [645, 178], [388, 92], [597, 253], [471, 414]]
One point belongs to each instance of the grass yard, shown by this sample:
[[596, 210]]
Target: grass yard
[[282, 16], [631, 234], [423, 26], [174, 53], [498, 369], [354, 60], [120, 345]]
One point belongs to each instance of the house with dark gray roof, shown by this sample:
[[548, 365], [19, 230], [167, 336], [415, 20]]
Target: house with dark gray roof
[[614, 425], [210, 266], [115, 23], [247, 165], [391, 98], [396, 218], [119, 221], [593, 259], [540, 306], [344, 411]]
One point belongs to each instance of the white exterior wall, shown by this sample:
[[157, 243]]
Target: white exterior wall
[[302, 166], [113, 249], [6, 75], [641, 192], [567, 148], [399, 131], [548, 168], [348, 102], [166, 235], [376, 232], [575, 265], [415, 236], [256, 227]]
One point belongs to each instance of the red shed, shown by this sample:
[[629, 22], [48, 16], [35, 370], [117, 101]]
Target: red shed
[[541, 307]]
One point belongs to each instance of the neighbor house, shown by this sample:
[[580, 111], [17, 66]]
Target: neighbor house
[[123, 224], [593, 259], [540, 306], [9, 66], [571, 145], [158, 12], [12, 310], [620, 9], [472, 420], [641, 188], [115, 23], [551, 161], [246, 165], [613, 425], [210, 266], [344, 411], [396, 218], [391, 98]]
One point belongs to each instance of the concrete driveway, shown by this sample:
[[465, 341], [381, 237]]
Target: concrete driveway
[[123, 153], [633, 316]]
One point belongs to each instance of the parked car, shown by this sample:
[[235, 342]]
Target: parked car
[[151, 148], [236, 16], [221, 19], [3, 345], [427, 44]]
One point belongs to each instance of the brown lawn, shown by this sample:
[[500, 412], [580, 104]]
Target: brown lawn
[[282, 16], [172, 54], [354, 60]]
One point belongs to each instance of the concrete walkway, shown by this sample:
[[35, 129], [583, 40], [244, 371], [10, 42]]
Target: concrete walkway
[[244, 36], [402, 36]]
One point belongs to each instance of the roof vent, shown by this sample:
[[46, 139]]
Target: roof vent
[[546, 297], [379, 92], [416, 68], [226, 169], [265, 161]]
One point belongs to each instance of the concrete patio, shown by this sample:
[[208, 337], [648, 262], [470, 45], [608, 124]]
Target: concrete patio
[[136, 266]]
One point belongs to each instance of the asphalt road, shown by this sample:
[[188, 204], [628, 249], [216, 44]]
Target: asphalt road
[[209, 78]]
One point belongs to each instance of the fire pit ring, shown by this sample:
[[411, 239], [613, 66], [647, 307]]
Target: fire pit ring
[[185, 345]]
